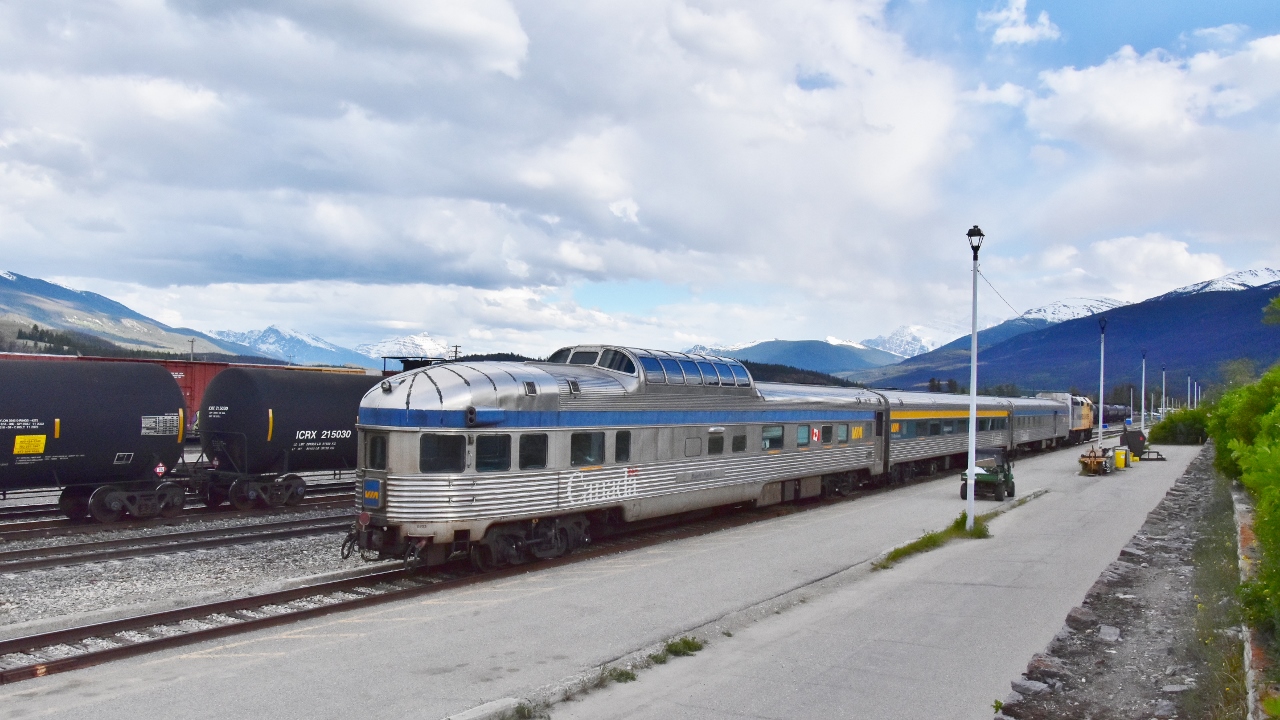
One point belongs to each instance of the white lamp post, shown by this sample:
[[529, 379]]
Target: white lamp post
[[975, 243], [1164, 388], [1102, 370], [1143, 426]]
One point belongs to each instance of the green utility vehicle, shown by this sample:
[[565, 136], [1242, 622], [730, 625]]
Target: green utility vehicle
[[995, 477]]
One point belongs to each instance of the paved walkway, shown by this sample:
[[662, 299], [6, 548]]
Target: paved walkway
[[938, 636]]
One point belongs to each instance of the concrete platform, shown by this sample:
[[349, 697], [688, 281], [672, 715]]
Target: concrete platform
[[938, 636]]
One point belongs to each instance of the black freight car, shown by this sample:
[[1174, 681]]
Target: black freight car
[[108, 434], [258, 427]]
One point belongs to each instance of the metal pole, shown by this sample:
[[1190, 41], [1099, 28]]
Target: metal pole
[[1143, 427], [1188, 392], [1102, 386], [1164, 386], [973, 390]]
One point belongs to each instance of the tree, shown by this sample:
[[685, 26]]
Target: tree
[[934, 385], [1271, 313], [953, 387]]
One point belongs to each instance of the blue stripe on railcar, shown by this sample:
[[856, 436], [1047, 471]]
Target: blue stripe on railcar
[[394, 417]]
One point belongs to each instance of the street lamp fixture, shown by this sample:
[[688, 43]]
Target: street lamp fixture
[[975, 243]]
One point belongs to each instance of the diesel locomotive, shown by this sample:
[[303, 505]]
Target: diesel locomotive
[[503, 462]]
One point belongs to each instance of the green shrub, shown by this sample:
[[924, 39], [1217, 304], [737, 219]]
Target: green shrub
[[1181, 427], [1239, 416]]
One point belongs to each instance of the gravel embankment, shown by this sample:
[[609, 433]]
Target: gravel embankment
[[1156, 634]]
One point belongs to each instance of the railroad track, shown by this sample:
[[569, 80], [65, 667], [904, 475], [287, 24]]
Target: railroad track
[[103, 550], [64, 650], [50, 509], [58, 528]]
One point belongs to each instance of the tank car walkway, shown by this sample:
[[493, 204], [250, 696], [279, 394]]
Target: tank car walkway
[[938, 636]]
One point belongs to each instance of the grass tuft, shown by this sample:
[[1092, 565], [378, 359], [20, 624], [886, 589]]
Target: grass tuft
[[621, 675], [934, 540], [684, 646]]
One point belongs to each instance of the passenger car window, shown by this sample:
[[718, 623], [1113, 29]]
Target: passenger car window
[[692, 447], [715, 444], [442, 453], [691, 374], [493, 453], [827, 434], [726, 375], [560, 356], [533, 451], [842, 433], [740, 374], [584, 357], [771, 437], [708, 373], [652, 369], [622, 446], [375, 454], [674, 374], [586, 449], [739, 443], [802, 435], [619, 361]]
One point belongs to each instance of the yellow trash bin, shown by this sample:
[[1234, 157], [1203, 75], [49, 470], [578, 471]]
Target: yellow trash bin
[[1120, 458], [1133, 459]]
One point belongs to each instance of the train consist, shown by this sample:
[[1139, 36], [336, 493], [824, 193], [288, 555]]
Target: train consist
[[505, 462], [111, 435]]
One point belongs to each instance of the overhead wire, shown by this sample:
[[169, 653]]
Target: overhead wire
[[997, 292]]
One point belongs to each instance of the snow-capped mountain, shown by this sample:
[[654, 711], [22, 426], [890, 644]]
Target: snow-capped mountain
[[910, 340], [847, 343], [420, 345], [294, 346], [1241, 280], [1072, 308], [724, 349]]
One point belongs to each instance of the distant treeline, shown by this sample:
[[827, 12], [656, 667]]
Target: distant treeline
[[44, 341], [768, 372]]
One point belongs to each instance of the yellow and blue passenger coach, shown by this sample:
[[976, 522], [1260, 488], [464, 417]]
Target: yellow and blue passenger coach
[[503, 462]]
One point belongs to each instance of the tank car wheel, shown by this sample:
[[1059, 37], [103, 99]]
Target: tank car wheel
[[964, 491], [241, 496], [173, 498], [215, 497], [74, 503], [103, 508], [297, 489]]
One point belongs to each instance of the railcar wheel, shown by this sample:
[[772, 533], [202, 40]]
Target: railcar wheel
[[74, 503], [173, 498], [103, 507], [482, 558], [242, 497], [215, 497], [296, 489]]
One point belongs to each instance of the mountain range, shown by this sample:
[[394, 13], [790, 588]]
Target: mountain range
[[27, 301], [1191, 331], [296, 347]]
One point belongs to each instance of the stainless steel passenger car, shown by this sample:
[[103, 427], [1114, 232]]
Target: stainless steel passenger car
[[502, 462]]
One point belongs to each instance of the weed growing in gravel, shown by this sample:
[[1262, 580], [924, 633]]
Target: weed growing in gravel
[[683, 646], [621, 675], [1221, 693], [934, 540]]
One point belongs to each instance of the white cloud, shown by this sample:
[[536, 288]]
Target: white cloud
[[1010, 23]]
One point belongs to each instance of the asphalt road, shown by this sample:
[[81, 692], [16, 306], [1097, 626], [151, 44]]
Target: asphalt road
[[946, 630]]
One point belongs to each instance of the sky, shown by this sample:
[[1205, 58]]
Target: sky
[[523, 175]]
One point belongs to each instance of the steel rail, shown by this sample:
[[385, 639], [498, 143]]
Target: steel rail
[[57, 528], [119, 549], [230, 617]]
